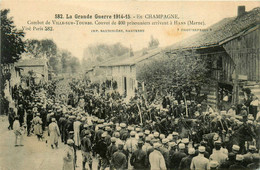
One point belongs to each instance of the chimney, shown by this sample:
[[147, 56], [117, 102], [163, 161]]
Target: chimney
[[241, 10]]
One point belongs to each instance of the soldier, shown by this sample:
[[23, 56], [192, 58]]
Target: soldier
[[54, 133], [218, 155], [76, 129], [37, 124], [238, 164], [101, 149], [200, 162], [186, 161], [68, 159], [138, 157], [111, 149], [29, 119], [86, 147], [156, 159], [164, 150], [119, 159], [131, 143], [17, 132], [177, 156]]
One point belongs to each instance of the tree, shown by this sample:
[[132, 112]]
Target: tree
[[12, 45], [101, 52], [153, 43], [41, 48], [182, 70]]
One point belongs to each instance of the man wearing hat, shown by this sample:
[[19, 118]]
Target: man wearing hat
[[37, 125], [186, 161], [131, 143], [238, 164], [101, 150], [76, 129], [54, 133], [119, 159], [86, 147], [200, 162], [29, 118], [165, 151], [218, 155], [248, 157], [112, 148], [177, 156], [17, 131], [156, 159], [68, 159], [138, 158]]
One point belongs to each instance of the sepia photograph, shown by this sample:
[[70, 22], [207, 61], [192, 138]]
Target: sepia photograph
[[130, 85]]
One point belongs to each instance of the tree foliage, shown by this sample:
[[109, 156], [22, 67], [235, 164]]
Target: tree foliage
[[61, 61], [183, 70], [153, 43], [41, 48], [100, 52], [12, 45]]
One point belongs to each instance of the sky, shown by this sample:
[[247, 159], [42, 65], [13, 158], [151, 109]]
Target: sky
[[77, 37]]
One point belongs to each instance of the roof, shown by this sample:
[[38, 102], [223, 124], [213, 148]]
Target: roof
[[138, 57], [31, 62], [221, 31]]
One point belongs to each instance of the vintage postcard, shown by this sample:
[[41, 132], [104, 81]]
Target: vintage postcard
[[129, 85]]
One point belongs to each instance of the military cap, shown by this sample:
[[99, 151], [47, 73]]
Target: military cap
[[107, 128], [123, 125], [156, 145], [140, 134], [118, 128], [113, 139], [181, 146], [170, 137], [151, 136], [162, 136], [172, 144], [156, 134], [147, 139], [239, 157], [202, 149], [185, 140], [138, 129], [165, 140], [117, 134], [175, 134], [70, 142], [191, 151], [53, 119], [38, 114], [147, 132], [132, 133], [252, 148]]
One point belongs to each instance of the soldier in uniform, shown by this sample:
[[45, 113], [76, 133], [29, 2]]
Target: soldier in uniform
[[200, 162], [138, 157], [86, 147]]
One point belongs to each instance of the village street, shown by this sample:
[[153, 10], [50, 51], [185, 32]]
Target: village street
[[34, 155]]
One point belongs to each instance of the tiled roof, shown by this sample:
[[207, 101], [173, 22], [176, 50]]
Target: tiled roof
[[221, 31], [127, 60]]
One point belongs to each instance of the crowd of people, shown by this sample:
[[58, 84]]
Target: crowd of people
[[172, 133]]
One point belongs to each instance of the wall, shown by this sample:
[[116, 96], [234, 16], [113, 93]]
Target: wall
[[245, 51]]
